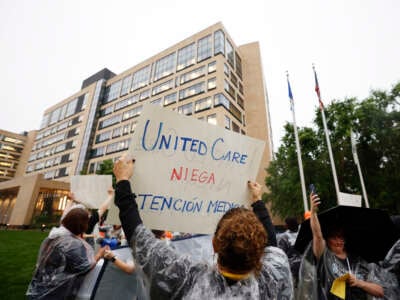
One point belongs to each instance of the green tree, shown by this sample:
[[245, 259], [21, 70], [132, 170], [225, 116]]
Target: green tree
[[376, 122]]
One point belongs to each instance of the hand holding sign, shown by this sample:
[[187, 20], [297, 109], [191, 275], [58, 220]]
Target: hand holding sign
[[123, 168]]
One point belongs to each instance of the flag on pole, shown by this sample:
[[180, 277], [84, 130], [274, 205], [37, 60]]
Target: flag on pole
[[321, 104], [290, 92]]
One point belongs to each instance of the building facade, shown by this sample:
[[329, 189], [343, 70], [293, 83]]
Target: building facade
[[206, 76]]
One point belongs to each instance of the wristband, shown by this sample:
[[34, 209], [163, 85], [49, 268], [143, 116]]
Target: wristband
[[113, 259]]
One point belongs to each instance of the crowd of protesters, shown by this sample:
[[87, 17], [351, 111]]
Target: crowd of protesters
[[252, 262]]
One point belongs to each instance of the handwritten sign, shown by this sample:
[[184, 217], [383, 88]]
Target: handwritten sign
[[188, 173], [91, 190]]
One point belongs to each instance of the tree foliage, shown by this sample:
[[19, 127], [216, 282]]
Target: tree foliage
[[376, 123]]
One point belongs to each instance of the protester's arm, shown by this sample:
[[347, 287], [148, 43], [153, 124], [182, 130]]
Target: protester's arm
[[318, 242], [124, 198], [370, 288], [106, 204], [128, 268], [261, 212]]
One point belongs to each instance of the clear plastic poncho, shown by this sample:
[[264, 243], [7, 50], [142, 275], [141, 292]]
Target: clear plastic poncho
[[62, 262], [316, 278], [286, 242], [179, 277]]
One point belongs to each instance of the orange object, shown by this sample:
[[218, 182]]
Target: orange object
[[168, 234], [307, 215]]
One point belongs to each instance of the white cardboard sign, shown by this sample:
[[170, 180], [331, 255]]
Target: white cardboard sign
[[349, 199], [188, 173], [91, 190]]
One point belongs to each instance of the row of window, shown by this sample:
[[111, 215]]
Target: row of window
[[62, 172], [174, 62], [57, 128], [12, 148], [116, 132], [65, 111], [54, 161], [53, 150], [111, 148]]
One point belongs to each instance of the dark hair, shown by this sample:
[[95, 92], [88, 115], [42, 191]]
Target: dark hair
[[333, 231], [239, 240], [291, 223], [76, 221]]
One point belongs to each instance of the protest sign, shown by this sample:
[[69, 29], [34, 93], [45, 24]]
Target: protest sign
[[188, 173], [91, 190]]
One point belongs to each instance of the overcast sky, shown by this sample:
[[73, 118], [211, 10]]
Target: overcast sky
[[47, 48]]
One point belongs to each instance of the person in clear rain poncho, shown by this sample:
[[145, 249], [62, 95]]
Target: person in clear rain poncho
[[64, 258], [246, 269], [327, 259]]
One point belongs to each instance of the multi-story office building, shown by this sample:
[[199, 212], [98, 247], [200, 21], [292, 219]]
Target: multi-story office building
[[206, 76]]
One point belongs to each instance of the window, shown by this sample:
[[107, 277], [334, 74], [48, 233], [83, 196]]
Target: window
[[132, 113], [211, 83], [229, 89], [212, 119], [171, 98], [202, 104], [196, 73], [113, 91], [118, 146], [230, 54], [238, 65], [240, 88], [134, 124], [117, 132], [55, 116], [110, 121], [186, 109], [103, 136], [141, 78], [44, 122], [220, 99], [144, 95], [163, 87], [212, 67], [126, 102], [98, 151], [235, 127], [71, 107], [106, 111], [186, 56], [219, 42], [204, 48], [227, 122], [192, 90], [157, 102], [240, 101], [226, 70], [125, 129], [126, 85], [234, 80], [165, 66]]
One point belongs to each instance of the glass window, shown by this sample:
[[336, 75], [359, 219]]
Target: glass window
[[125, 129], [126, 102], [227, 122], [141, 78], [196, 73], [212, 119], [110, 121], [212, 67], [234, 80], [132, 113], [117, 132], [114, 91], [226, 70], [195, 89], [63, 111], [103, 136], [229, 89], [171, 98], [186, 109], [202, 104], [230, 54], [118, 146], [240, 101], [55, 116], [144, 95], [219, 42], [220, 99], [211, 83], [240, 88], [106, 111], [71, 107], [165, 66], [238, 65], [163, 87], [98, 151], [157, 101], [134, 124], [204, 48], [45, 121], [126, 85], [235, 127], [186, 56]]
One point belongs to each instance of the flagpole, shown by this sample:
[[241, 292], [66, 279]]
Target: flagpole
[[328, 142], [357, 162], [296, 135]]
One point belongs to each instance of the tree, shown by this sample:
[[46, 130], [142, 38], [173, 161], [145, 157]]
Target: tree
[[376, 122]]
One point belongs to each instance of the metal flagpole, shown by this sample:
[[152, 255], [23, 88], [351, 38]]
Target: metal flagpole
[[328, 142], [296, 135], [357, 162]]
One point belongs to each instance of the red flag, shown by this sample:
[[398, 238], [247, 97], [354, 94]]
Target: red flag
[[321, 104]]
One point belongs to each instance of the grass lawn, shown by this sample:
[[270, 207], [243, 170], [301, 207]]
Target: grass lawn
[[18, 253]]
